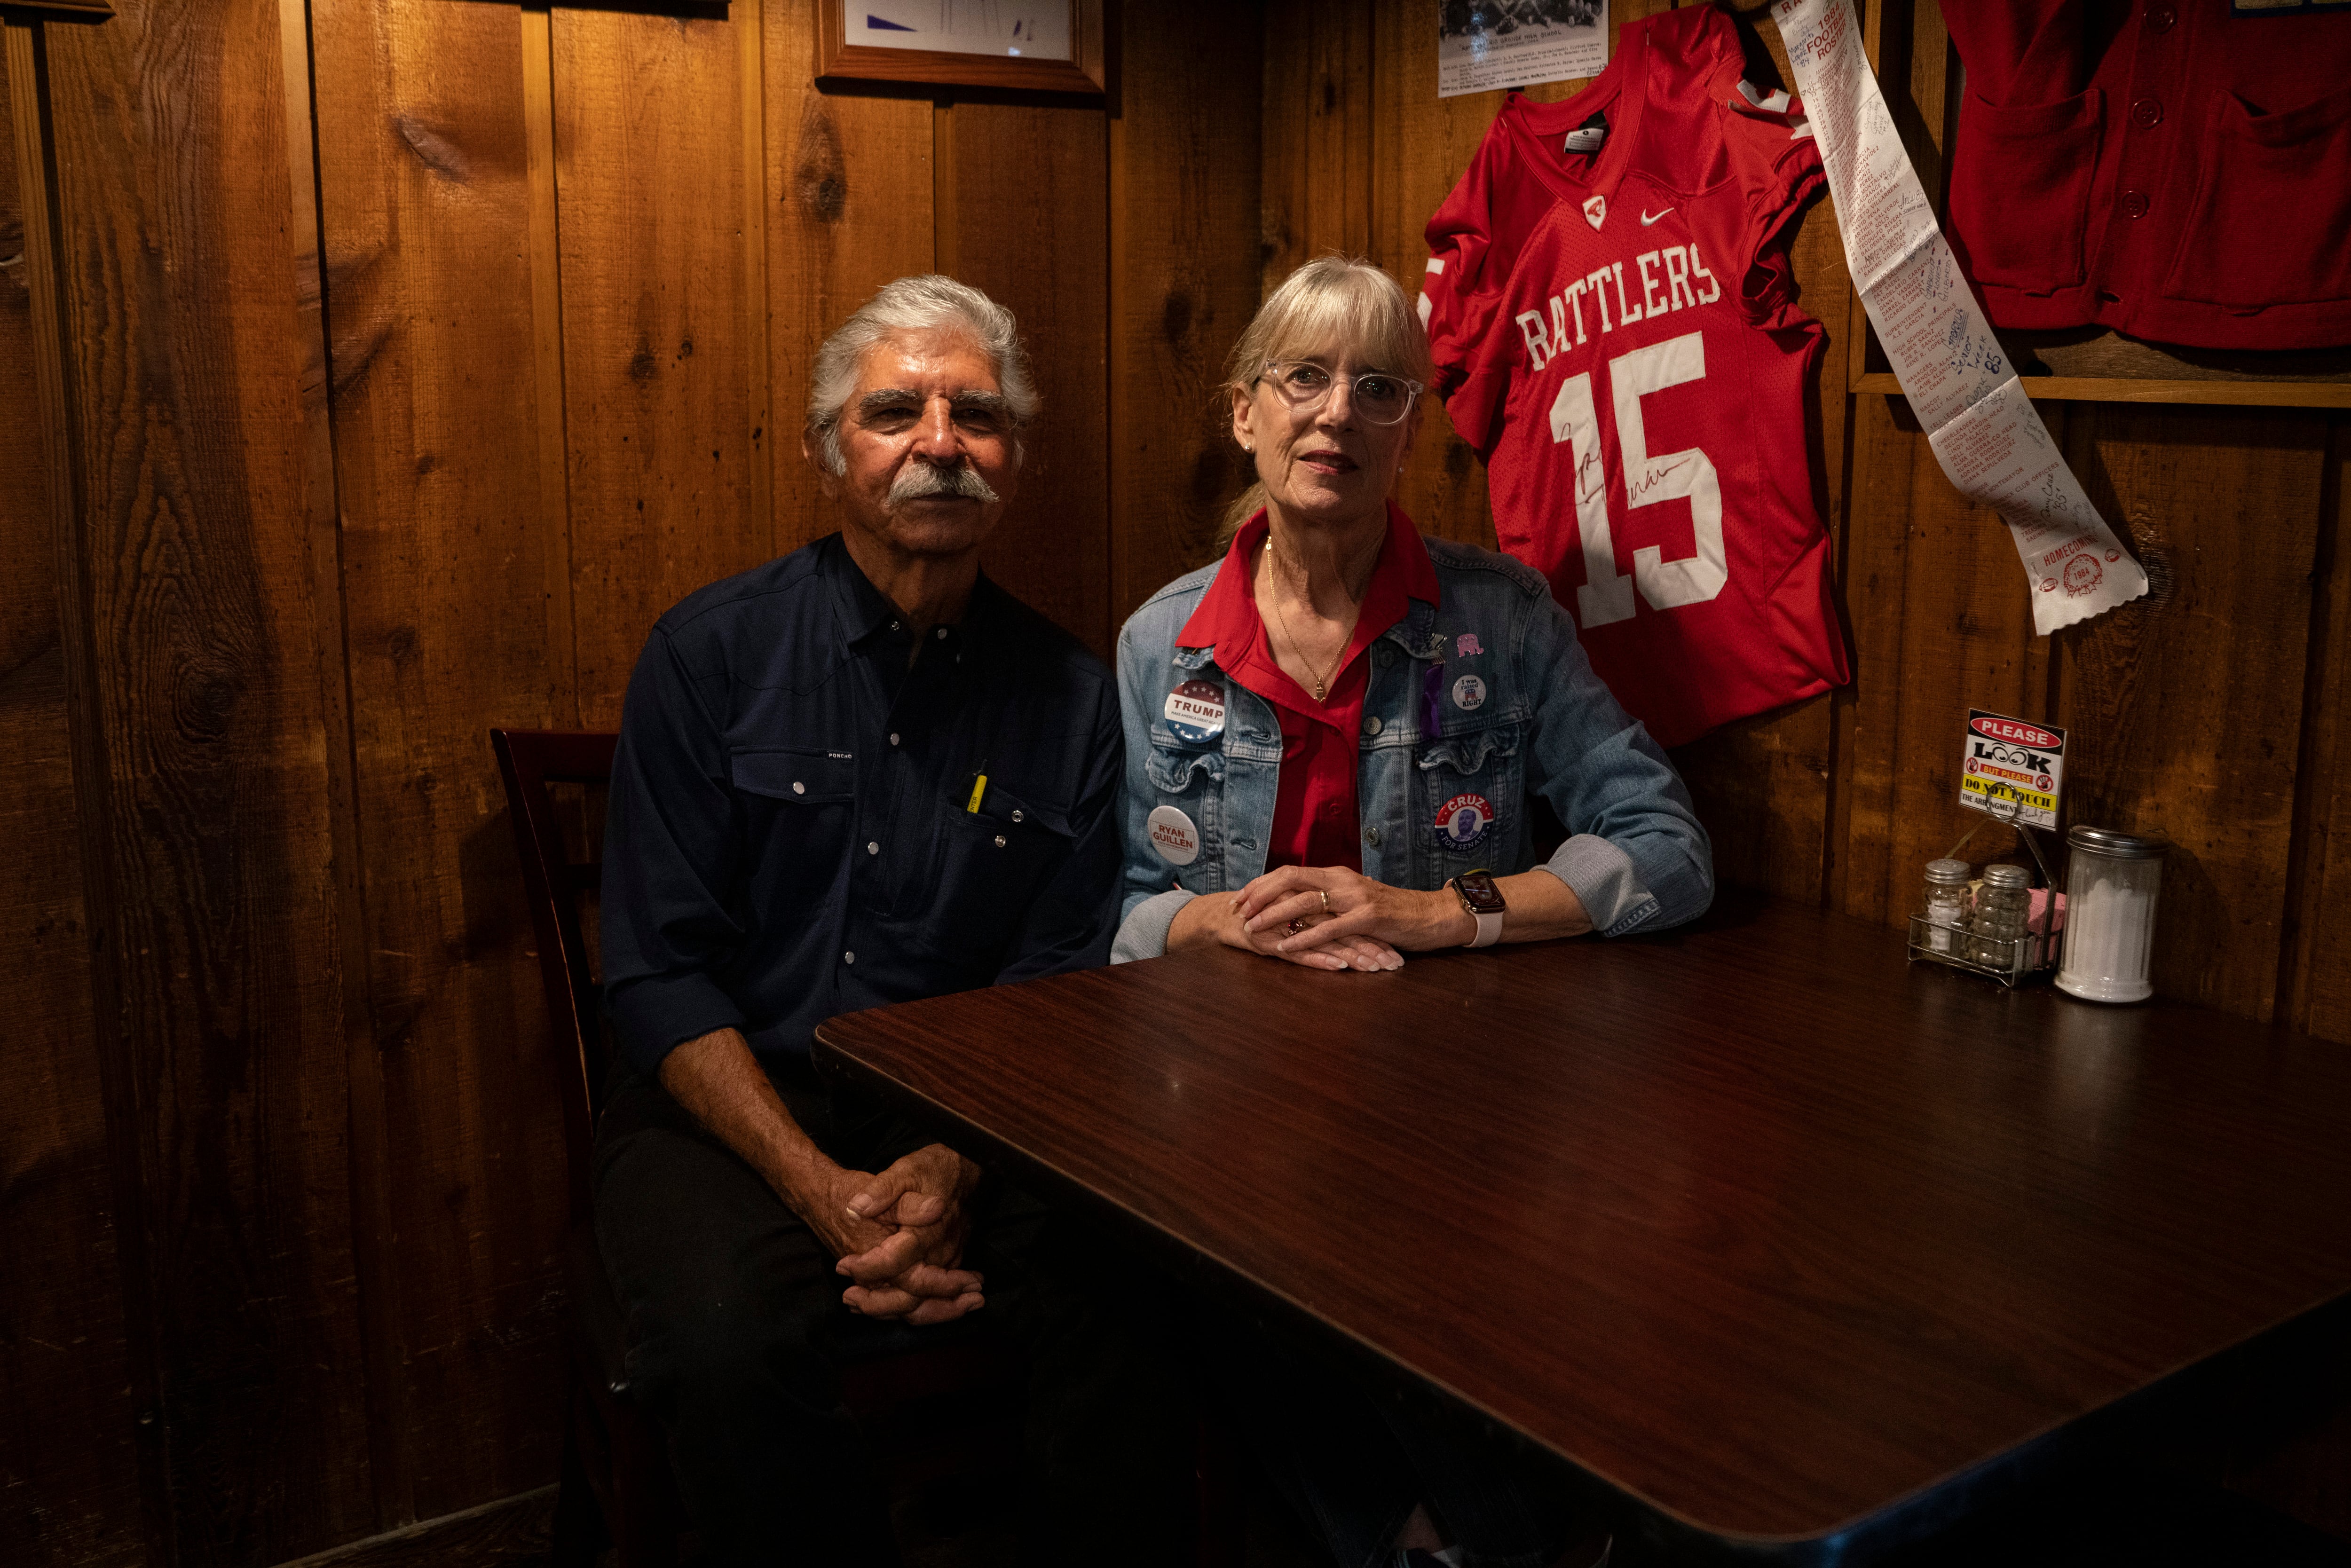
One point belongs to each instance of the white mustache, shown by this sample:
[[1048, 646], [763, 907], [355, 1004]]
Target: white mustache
[[921, 481]]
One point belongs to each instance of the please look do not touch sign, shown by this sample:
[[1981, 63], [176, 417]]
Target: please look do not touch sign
[[2011, 760]]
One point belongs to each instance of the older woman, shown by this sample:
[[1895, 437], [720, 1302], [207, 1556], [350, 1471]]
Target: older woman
[[1332, 734], [1333, 738]]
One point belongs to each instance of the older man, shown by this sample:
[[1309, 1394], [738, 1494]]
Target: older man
[[855, 775]]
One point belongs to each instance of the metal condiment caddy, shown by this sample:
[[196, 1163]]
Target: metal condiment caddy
[[1992, 934]]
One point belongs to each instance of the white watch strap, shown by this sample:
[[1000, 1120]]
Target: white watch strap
[[1490, 930]]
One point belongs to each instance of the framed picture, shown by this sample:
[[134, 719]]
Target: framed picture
[[1049, 45]]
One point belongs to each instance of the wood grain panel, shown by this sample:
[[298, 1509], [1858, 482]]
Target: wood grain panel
[[1874, 563], [1762, 785], [649, 170], [1031, 228], [68, 1481], [1967, 642], [1184, 166], [2314, 977], [847, 179], [1317, 181], [2181, 705], [422, 145], [225, 1068]]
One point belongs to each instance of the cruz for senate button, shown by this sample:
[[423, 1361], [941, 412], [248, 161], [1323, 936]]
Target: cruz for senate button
[[1195, 711], [1462, 822], [1174, 836]]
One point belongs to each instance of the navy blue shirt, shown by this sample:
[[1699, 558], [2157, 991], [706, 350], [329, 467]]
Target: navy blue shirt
[[796, 827]]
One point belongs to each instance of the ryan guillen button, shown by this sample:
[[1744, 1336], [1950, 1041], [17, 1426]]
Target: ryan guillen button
[[1174, 836]]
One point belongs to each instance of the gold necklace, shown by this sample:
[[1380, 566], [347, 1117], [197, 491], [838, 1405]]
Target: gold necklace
[[1322, 681]]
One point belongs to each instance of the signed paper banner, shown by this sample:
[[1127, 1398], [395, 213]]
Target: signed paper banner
[[1981, 424]]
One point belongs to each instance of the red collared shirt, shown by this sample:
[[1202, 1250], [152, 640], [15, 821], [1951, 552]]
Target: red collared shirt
[[1314, 815]]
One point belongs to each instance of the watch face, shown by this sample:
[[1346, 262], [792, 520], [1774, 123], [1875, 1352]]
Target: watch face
[[1478, 891]]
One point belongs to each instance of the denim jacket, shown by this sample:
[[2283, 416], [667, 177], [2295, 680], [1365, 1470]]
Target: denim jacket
[[1485, 697]]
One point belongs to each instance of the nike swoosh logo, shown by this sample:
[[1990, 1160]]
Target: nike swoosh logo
[[1648, 218]]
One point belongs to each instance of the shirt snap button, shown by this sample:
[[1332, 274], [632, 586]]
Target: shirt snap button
[[2159, 18], [798, 787], [2146, 113], [941, 634], [872, 849], [2135, 203], [1372, 837], [894, 738], [1000, 841], [849, 957], [1372, 725]]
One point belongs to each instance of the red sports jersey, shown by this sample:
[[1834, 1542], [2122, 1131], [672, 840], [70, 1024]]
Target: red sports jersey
[[1616, 334]]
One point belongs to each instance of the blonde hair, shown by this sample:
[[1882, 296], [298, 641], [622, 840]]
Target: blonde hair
[[1333, 305]]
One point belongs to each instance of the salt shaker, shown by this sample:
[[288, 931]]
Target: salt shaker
[[1946, 905], [2111, 883], [1999, 924]]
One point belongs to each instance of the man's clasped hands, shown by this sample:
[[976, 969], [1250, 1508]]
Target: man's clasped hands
[[901, 1234]]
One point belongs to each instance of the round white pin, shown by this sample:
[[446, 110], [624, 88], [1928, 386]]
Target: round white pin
[[1468, 694], [1174, 836]]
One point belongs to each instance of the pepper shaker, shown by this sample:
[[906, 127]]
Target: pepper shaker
[[1999, 924]]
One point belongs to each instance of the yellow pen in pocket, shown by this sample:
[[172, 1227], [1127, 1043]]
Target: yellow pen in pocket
[[978, 788]]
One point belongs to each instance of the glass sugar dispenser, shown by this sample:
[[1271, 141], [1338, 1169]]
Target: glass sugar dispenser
[[2115, 878]]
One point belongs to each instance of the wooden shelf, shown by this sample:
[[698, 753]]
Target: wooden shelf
[[2117, 389]]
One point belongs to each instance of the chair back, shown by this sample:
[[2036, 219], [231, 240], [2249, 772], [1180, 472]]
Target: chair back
[[555, 883]]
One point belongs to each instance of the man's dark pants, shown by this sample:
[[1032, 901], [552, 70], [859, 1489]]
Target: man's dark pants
[[735, 1317]]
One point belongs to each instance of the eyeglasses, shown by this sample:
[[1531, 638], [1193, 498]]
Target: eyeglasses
[[1379, 397]]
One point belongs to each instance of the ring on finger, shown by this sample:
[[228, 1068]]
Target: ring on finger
[[1325, 896], [1296, 925]]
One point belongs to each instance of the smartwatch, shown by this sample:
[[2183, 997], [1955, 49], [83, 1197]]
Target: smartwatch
[[1485, 903]]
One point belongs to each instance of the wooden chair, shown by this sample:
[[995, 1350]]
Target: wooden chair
[[616, 1479]]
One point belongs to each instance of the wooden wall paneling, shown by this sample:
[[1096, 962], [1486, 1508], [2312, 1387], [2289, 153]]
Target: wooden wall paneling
[[1183, 202], [224, 1060], [1318, 117], [1762, 784], [847, 179], [1421, 144], [69, 1490], [1873, 565], [2181, 707], [649, 144], [1032, 227], [1967, 642], [2314, 971], [749, 20], [448, 544]]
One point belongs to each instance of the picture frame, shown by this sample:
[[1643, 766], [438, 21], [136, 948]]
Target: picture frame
[[839, 59]]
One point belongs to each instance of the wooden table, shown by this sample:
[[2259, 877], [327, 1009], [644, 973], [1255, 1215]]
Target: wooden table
[[1792, 1234]]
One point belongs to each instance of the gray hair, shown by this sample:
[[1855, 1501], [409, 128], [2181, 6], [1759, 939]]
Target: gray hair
[[927, 303]]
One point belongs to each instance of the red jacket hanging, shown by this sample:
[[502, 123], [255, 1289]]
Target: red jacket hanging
[[2168, 169]]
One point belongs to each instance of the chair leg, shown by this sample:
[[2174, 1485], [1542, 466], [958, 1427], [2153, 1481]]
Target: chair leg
[[579, 1535]]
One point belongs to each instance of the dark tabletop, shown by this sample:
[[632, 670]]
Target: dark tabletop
[[1754, 1222]]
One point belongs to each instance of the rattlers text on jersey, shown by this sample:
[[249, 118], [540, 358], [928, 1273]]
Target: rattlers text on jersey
[[1616, 333]]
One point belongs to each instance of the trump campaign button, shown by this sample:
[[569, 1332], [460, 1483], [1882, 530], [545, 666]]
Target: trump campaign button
[[1195, 711], [1174, 836], [1462, 822]]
